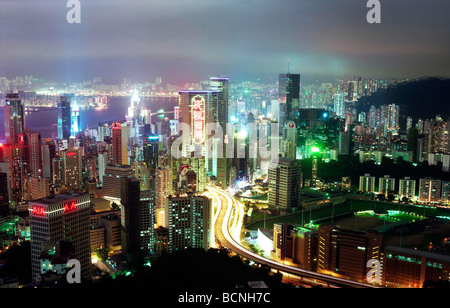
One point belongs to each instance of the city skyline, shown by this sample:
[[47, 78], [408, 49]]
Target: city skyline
[[184, 40]]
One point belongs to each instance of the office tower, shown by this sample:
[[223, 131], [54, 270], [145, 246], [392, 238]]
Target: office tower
[[72, 169], [240, 152], [137, 221], [144, 174], [64, 120], [14, 119], [119, 143], [295, 244], [102, 162], [63, 217], [75, 125], [33, 150], [48, 154], [220, 115], [345, 252], [284, 185], [339, 105], [111, 179], [196, 111], [289, 97], [386, 185], [151, 155], [407, 188], [367, 183], [189, 220], [429, 190]]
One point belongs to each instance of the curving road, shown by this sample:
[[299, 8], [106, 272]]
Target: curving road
[[227, 227]]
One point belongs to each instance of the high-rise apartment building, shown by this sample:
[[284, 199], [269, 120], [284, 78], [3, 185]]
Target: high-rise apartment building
[[189, 222], [407, 188], [386, 185], [367, 183], [430, 190]]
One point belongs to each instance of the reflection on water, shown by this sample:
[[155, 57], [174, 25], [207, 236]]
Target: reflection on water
[[45, 121]]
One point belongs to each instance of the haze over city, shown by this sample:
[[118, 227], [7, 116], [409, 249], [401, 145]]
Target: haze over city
[[183, 41]]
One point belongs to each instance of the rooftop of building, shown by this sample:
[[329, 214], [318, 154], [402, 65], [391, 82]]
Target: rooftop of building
[[58, 198]]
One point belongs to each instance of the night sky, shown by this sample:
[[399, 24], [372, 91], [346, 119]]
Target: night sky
[[188, 40]]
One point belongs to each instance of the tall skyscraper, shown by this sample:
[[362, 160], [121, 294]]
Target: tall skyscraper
[[14, 119], [64, 120], [284, 185], [289, 97], [137, 221], [120, 143], [221, 165], [339, 105], [63, 217], [72, 168], [196, 111], [33, 150]]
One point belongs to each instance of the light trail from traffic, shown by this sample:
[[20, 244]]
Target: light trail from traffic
[[230, 238]]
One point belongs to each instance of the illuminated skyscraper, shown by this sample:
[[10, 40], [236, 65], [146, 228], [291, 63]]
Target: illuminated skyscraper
[[196, 111], [14, 119], [75, 124], [289, 97], [220, 105], [33, 146], [120, 143], [339, 105], [72, 169], [64, 120]]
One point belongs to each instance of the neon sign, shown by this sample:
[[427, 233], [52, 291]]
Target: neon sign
[[70, 206], [198, 103], [37, 210]]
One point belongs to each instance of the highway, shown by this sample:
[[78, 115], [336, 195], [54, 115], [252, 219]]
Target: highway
[[227, 228]]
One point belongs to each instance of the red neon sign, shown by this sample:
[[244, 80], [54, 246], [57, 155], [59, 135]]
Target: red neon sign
[[38, 210], [70, 206], [71, 153], [197, 118]]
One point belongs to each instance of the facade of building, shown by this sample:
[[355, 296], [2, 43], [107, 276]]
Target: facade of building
[[284, 185], [189, 222], [63, 217]]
